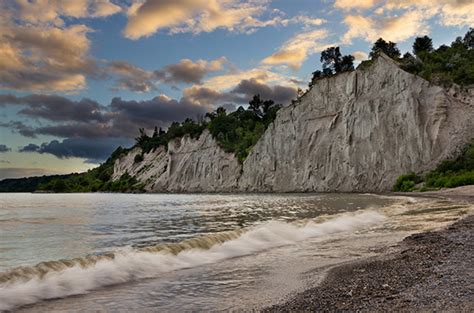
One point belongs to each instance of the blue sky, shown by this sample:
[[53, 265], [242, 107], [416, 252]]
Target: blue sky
[[77, 78]]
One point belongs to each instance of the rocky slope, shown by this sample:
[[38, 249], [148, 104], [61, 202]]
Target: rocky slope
[[356, 131]]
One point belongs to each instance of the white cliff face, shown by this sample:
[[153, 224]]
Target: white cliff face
[[189, 165], [359, 131], [356, 131]]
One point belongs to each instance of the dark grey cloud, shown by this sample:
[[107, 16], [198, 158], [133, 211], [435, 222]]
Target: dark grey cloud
[[94, 150], [159, 111], [4, 148], [279, 94], [57, 108], [29, 148], [20, 127]]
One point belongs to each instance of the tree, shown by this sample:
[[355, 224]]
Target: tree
[[155, 132], [347, 63], [143, 138], [255, 104], [331, 59], [317, 75], [334, 62], [422, 45], [469, 39], [389, 48], [221, 111]]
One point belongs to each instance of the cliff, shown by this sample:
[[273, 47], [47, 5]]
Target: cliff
[[357, 131]]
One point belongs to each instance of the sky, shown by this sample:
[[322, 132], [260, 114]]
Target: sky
[[78, 78]]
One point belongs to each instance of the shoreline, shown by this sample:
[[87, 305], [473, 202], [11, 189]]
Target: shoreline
[[428, 271]]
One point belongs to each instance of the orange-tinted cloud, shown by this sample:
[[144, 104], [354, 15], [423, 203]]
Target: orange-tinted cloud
[[297, 49]]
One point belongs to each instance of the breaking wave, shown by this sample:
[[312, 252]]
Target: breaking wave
[[56, 279]]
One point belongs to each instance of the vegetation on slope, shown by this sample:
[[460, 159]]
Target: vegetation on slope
[[97, 179], [449, 174], [236, 132], [442, 66], [29, 184]]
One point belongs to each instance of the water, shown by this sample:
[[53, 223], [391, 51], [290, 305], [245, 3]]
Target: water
[[109, 252]]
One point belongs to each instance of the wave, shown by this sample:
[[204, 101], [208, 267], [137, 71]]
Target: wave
[[57, 279]]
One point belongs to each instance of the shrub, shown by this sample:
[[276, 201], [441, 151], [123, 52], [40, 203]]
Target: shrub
[[406, 182], [138, 158]]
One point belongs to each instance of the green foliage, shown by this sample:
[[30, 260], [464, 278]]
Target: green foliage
[[28, 184], [239, 131], [138, 158], [389, 48], [406, 182], [454, 173], [449, 174], [334, 62], [445, 65], [236, 132], [161, 138], [364, 65], [97, 179], [422, 45]]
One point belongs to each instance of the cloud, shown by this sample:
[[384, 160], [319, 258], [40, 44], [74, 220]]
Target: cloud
[[29, 148], [150, 16], [131, 77], [159, 111], [393, 28], [196, 16], [52, 11], [360, 56], [57, 108], [451, 12], [44, 58], [242, 93], [354, 4], [297, 49], [210, 97], [20, 127], [280, 94], [94, 150], [136, 79], [4, 148], [187, 71]]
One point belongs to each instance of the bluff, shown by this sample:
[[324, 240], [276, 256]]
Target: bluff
[[356, 131]]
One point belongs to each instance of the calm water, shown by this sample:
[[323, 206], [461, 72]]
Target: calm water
[[185, 252]]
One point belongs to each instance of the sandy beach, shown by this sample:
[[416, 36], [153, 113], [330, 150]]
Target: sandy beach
[[430, 271]]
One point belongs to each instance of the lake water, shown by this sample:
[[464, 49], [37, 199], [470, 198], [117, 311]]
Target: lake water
[[173, 252]]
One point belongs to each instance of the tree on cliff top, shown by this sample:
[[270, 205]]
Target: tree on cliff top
[[333, 63], [422, 45], [389, 48]]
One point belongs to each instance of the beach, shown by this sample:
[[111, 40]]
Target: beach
[[430, 271]]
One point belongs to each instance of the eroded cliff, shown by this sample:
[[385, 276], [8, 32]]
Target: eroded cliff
[[357, 131]]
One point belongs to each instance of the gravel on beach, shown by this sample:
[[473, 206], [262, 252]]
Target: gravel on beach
[[432, 271]]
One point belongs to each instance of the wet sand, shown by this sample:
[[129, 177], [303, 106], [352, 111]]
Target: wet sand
[[431, 271]]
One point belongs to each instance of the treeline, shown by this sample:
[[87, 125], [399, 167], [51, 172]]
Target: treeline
[[29, 184], [235, 132], [442, 66], [94, 180]]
